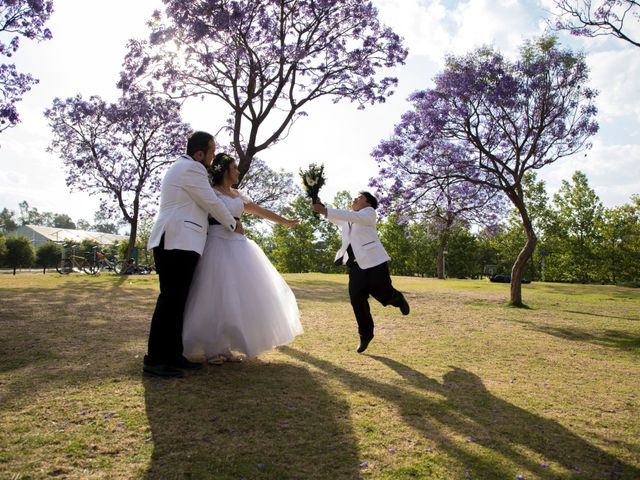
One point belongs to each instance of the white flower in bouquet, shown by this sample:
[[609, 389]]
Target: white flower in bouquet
[[313, 179]]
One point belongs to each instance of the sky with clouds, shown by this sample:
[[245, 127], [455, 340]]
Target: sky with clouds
[[86, 54]]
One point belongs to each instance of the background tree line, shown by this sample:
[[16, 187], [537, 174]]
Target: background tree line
[[27, 215], [580, 240]]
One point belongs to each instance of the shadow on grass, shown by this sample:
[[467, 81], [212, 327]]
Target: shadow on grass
[[486, 421], [633, 319], [607, 338], [66, 336], [254, 420], [581, 290]]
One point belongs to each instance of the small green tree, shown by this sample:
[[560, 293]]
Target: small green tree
[[3, 249], [7, 220], [62, 220], [424, 247], [620, 247], [395, 236], [463, 254], [574, 230], [86, 247], [48, 255], [19, 253], [295, 248], [82, 224]]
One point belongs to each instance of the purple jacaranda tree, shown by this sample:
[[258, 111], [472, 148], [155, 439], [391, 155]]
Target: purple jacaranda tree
[[18, 18], [489, 121], [412, 188], [587, 18], [118, 151], [266, 60]]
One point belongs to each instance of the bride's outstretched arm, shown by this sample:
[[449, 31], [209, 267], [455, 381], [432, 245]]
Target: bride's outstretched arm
[[267, 214]]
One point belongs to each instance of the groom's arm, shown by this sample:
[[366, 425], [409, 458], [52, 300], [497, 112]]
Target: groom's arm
[[197, 186], [319, 207], [366, 216]]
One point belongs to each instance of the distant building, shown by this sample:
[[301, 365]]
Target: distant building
[[40, 235]]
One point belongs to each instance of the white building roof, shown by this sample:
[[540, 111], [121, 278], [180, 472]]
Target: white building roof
[[66, 234]]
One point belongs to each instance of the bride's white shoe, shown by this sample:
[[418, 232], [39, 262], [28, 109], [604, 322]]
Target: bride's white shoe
[[231, 358]]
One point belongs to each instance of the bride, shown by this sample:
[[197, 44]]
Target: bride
[[238, 301]]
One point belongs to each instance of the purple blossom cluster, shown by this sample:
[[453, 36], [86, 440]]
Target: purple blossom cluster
[[484, 125], [488, 121], [18, 18], [265, 59], [117, 151], [617, 18]]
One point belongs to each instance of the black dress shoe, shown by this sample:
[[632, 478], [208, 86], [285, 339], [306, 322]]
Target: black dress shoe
[[364, 343], [404, 306], [162, 370], [182, 362]]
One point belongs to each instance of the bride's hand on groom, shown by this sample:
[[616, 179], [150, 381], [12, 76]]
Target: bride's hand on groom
[[239, 228]]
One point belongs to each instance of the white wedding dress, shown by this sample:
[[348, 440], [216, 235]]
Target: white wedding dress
[[238, 301]]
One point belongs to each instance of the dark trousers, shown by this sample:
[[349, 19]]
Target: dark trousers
[[175, 269], [374, 281]]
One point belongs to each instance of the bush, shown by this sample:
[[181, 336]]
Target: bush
[[48, 255], [3, 249], [19, 253]]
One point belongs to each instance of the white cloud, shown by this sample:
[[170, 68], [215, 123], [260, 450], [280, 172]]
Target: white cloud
[[503, 23], [615, 74], [423, 25], [431, 29], [613, 172]]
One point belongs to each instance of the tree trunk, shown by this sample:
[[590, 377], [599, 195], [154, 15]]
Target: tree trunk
[[44, 270], [244, 164], [134, 229], [447, 221], [14, 271], [440, 267], [132, 240], [517, 272]]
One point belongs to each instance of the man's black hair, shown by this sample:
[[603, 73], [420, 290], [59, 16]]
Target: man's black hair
[[198, 142], [371, 200]]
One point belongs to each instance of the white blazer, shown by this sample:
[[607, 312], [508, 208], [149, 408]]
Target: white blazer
[[186, 200], [359, 230]]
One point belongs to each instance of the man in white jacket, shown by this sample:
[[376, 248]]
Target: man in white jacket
[[177, 239], [367, 260]]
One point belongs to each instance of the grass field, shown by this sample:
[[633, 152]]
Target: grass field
[[463, 388]]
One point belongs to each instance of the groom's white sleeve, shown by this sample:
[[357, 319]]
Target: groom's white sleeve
[[366, 216], [196, 183]]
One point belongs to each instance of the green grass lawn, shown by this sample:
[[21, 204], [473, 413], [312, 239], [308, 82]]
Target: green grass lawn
[[463, 388]]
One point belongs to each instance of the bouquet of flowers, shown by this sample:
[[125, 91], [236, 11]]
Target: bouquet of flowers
[[313, 180]]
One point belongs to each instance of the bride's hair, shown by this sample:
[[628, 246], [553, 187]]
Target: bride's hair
[[220, 164]]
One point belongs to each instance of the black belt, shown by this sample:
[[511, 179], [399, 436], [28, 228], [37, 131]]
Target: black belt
[[213, 221]]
